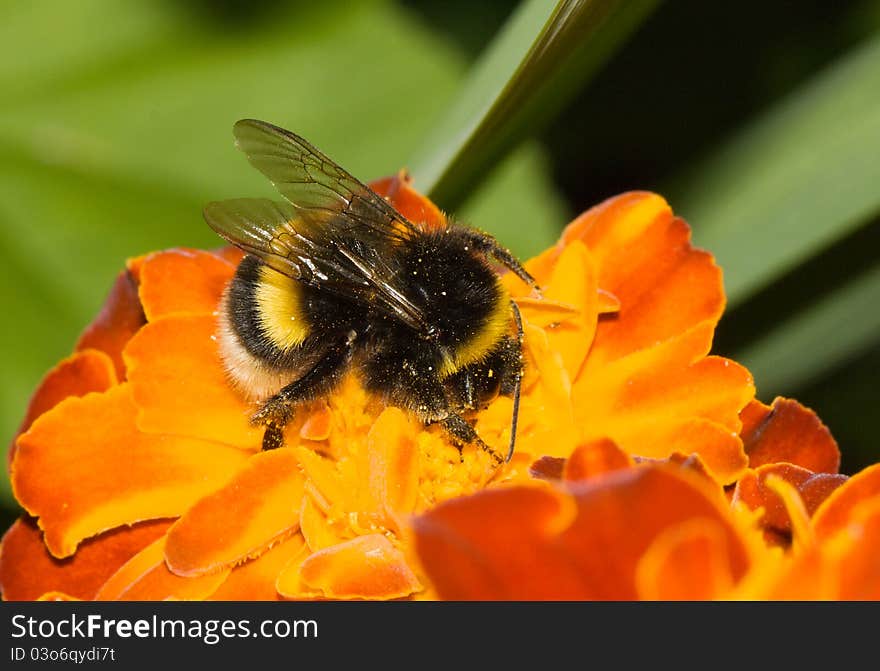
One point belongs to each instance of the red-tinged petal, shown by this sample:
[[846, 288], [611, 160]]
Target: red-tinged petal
[[819, 487], [366, 567], [184, 281], [594, 458], [180, 387], [573, 282], [27, 570], [393, 469], [835, 511], [409, 202], [119, 319], [77, 375], [548, 468], [83, 468], [752, 415], [813, 488], [525, 543], [255, 579], [145, 577], [133, 266], [688, 562], [619, 517], [499, 544], [240, 520], [788, 432]]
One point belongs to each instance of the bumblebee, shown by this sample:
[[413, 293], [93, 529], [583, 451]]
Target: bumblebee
[[335, 279]]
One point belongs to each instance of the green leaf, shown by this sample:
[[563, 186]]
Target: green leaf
[[817, 339], [800, 178], [773, 203], [520, 83]]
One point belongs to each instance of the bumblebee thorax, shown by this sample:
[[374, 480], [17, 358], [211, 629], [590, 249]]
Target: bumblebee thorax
[[466, 306]]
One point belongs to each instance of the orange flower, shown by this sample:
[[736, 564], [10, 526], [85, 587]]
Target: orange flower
[[608, 528], [143, 479]]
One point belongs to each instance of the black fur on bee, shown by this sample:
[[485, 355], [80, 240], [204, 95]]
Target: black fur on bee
[[336, 279]]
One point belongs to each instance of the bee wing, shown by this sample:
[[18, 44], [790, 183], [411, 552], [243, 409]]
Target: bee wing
[[322, 192], [301, 249]]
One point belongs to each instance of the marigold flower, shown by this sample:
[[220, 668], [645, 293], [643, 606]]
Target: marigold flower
[[142, 477]]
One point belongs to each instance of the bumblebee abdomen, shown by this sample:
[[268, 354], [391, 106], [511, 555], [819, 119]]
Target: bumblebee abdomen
[[274, 328]]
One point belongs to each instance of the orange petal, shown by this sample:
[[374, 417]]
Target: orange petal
[[718, 449], [409, 202], [808, 576], [145, 577], [497, 544], [644, 257], [754, 490], [857, 549], [27, 570], [688, 562], [229, 254], [594, 458], [182, 281], [666, 382], [573, 282], [788, 432], [77, 375], [179, 385], [119, 319], [315, 527], [83, 468], [323, 474], [57, 596], [255, 579], [393, 456], [543, 312], [835, 512], [318, 424], [666, 399], [608, 303], [546, 420], [239, 521], [366, 567], [619, 517], [527, 543]]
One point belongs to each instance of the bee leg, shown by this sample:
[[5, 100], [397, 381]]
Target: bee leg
[[464, 433], [277, 411]]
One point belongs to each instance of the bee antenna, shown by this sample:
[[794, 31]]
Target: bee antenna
[[518, 384]]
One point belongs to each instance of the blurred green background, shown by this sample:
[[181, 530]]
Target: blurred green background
[[758, 121]]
